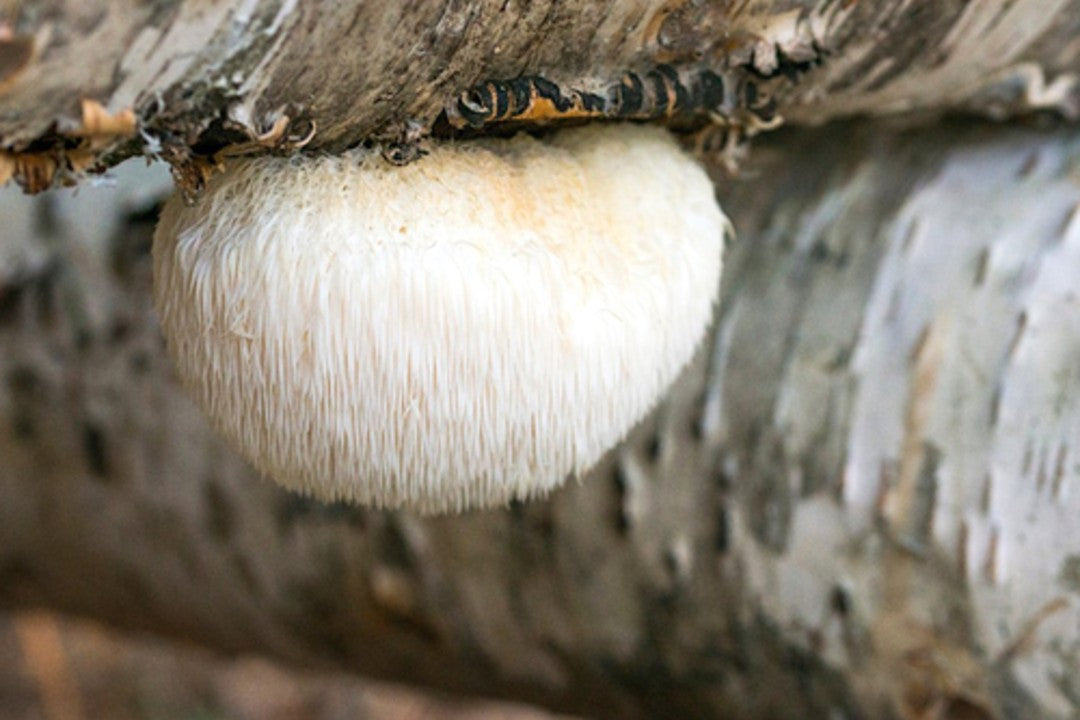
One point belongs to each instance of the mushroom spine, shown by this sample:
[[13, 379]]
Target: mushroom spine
[[458, 332]]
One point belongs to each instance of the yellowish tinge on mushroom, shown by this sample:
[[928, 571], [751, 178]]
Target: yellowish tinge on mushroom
[[468, 329]]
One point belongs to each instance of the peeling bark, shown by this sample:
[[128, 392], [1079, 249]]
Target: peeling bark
[[857, 501], [275, 75]]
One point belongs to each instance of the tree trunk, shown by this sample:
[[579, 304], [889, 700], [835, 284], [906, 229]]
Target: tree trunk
[[857, 498], [857, 501], [84, 85]]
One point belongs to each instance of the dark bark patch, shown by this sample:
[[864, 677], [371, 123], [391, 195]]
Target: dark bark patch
[[23, 384], [220, 514], [685, 97], [293, 508], [770, 508], [243, 570], [1069, 575], [17, 578], [621, 485], [95, 450], [840, 601], [722, 530], [925, 497], [981, 264], [394, 548], [959, 708], [654, 447], [11, 297], [696, 426]]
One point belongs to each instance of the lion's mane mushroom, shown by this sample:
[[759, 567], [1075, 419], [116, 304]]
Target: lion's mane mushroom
[[462, 331]]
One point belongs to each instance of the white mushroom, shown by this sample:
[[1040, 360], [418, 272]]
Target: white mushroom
[[468, 329]]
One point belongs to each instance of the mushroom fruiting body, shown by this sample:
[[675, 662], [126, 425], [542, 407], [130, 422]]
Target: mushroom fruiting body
[[458, 332]]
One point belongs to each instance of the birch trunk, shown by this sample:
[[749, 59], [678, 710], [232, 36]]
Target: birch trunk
[[84, 85], [858, 500]]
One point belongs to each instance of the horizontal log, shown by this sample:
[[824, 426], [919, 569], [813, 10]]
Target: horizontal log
[[858, 500], [84, 85]]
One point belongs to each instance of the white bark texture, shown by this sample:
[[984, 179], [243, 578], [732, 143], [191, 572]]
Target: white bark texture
[[858, 500], [85, 84]]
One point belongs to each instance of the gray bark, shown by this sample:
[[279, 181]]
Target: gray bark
[[84, 85], [857, 501]]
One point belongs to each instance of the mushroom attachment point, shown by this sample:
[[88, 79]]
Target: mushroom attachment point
[[468, 329]]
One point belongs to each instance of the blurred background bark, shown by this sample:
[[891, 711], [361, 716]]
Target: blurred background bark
[[54, 668], [858, 500]]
